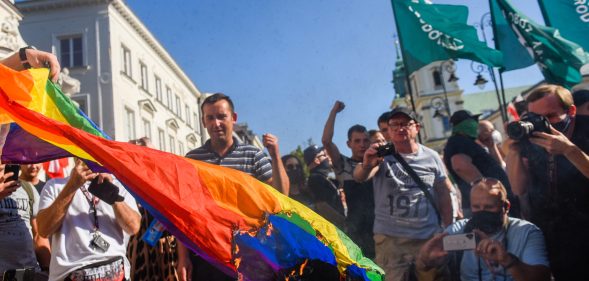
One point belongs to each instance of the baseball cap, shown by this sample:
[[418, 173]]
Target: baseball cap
[[580, 97], [404, 111], [462, 115], [310, 152]]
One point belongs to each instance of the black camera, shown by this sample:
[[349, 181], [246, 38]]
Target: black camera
[[529, 123], [384, 150]]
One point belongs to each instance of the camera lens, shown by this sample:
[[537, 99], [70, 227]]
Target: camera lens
[[519, 130]]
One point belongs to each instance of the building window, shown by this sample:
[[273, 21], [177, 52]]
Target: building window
[[147, 128], [446, 123], [196, 122], [187, 112], [161, 138], [180, 148], [71, 51], [144, 85], [158, 89], [168, 98], [437, 76], [172, 145], [130, 123], [126, 61], [178, 108]]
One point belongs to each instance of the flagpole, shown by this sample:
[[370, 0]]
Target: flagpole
[[405, 68], [491, 69]]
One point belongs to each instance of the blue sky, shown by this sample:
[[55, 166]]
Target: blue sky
[[285, 63]]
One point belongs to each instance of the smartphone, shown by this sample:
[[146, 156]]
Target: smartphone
[[19, 275], [15, 169], [460, 242]]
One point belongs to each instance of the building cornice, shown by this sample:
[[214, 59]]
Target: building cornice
[[128, 15], [7, 4]]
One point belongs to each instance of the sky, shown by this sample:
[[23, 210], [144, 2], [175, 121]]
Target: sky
[[285, 63]]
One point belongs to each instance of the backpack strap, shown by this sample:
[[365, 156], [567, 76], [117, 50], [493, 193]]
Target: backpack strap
[[28, 187]]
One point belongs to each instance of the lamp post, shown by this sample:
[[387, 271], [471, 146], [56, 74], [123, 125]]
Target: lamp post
[[479, 68], [449, 67]]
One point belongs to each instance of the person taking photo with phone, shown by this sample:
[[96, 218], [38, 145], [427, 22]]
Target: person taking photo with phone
[[507, 249], [89, 217]]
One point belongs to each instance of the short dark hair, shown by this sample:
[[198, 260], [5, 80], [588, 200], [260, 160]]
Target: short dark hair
[[212, 99], [384, 118], [356, 128]]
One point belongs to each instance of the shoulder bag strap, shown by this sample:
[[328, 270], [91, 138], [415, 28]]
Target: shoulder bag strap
[[419, 182]]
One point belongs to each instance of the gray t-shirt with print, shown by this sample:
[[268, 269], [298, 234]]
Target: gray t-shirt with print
[[401, 208], [16, 238]]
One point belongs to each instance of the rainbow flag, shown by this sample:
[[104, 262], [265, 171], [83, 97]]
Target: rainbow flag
[[236, 222], [46, 98]]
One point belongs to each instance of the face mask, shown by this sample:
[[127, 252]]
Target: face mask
[[562, 125], [295, 176], [485, 221], [323, 168], [468, 127]]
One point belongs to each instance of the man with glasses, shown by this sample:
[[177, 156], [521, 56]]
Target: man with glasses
[[405, 216], [359, 196], [467, 161], [550, 171]]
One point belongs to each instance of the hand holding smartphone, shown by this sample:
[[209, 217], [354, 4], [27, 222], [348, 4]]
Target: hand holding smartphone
[[460, 242], [105, 191], [14, 169]]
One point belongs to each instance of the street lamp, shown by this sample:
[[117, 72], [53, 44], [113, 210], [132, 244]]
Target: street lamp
[[478, 68], [449, 67], [438, 104], [486, 21]]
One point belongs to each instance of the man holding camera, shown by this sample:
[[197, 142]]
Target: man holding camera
[[89, 226], [548, 168], [412, 197], [490, 245]]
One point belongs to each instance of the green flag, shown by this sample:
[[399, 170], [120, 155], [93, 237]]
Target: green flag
[[570, 17], [515, 55], [559, 59], [432, 32]]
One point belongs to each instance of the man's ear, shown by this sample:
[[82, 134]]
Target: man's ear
[[348, 142], [234, 117], [572, 110], [506, 205]]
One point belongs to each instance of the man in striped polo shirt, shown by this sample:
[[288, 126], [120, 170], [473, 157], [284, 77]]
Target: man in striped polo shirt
[[218, 117]]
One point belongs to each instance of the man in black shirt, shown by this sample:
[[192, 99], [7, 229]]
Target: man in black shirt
[[551, 171], [468, 162]]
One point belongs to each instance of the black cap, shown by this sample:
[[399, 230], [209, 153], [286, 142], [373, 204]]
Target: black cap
[[310, 152], [462, 115], [580, 97], [404, 111]]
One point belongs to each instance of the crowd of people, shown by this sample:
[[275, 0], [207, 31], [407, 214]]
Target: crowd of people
[[524, 199]]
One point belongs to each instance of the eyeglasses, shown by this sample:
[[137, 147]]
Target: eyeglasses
[[293, 167], [396, 126]]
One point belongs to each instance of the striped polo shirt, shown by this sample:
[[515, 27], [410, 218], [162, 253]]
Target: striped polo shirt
[[242, 157]]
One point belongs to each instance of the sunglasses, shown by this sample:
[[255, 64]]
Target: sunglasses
[[293, 167]]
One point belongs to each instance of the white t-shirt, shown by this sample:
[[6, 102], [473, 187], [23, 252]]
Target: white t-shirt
[[70, 245]]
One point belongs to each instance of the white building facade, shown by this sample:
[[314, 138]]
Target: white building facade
[[130, 86]]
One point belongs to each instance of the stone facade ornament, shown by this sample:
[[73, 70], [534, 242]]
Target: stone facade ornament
[[69, 85], [9, 35]]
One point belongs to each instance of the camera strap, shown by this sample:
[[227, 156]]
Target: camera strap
[[92, 200], [419, 182]]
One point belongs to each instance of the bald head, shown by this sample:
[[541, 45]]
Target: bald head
[[486, 129]]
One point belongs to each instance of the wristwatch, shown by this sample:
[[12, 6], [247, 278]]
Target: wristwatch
[[22, 53]]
